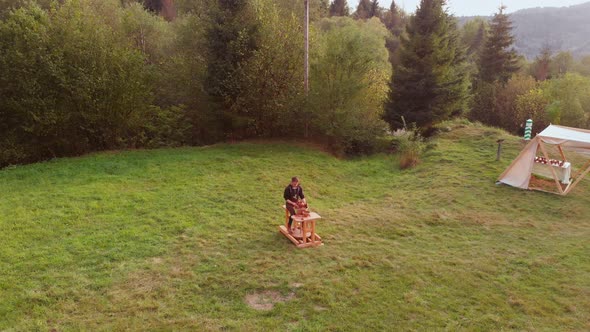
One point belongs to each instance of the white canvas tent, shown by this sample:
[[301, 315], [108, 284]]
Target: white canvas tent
[[519, 173]]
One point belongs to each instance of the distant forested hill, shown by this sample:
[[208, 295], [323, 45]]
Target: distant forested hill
[[562, 29]]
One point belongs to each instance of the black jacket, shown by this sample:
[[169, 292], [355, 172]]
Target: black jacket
[[293, 194]]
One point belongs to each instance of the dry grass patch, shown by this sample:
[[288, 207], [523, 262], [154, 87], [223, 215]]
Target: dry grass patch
[[266, 300]]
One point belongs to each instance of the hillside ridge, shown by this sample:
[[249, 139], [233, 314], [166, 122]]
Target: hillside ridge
[[560, 28]]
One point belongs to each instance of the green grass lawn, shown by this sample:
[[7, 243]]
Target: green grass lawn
[[179, 239]]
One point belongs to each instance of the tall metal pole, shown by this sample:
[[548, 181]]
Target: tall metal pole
[[306, 47], [306, 75]]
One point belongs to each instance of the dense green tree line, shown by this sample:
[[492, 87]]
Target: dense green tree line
[[67, 85], [507, 90], [84, 75]]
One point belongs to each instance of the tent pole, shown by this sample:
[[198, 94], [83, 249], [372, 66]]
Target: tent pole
[[581, 169], [561, 152], [306, 65], [543, 190], [567, 189], [570, 188], [542, 145]]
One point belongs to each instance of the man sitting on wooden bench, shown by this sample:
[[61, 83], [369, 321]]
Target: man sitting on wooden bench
[[293, 196]]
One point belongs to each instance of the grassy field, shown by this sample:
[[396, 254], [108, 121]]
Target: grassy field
[[187, 239]]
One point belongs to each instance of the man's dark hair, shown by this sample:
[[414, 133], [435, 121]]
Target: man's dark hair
[[294, 179]]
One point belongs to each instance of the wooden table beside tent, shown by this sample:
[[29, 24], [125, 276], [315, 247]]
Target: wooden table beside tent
[[304, 234]]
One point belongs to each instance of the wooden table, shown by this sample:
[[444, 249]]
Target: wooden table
[[304, 234], [563, 172]]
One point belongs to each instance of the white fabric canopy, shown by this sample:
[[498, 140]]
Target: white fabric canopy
[[572, 139], [519, 172]]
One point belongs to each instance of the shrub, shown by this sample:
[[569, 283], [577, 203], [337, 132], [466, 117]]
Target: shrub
[[570, 100], [410, 144], [349, 74], [165, 127], [68, 84]]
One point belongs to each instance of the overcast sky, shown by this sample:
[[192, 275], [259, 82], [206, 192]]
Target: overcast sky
[[479, 7]]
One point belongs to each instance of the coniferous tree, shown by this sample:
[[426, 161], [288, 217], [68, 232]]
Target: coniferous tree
[[153, 5], [479, 40], [429, 85], [498, 60], [375, 9], [164, 7], [231, 42], [542, 66], [324, 8], [339, 8], [394, 22], [363, 10], [561, 63], [396, 25]]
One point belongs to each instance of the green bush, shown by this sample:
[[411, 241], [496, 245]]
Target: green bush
[[165, 127], [410, 144], [350, 70], [68, 84]]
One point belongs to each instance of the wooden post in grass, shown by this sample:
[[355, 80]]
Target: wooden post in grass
[[306, 60], [306, 64], [499, 154]]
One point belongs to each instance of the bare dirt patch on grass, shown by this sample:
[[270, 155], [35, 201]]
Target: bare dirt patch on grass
[[266, 300]]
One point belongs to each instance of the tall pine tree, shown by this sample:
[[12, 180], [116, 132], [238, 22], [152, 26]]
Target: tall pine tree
[[153, 5], [498, 60], [475, 46], [164, 7], [394, 22], [231, 41], [339, 8], [429, 85], [375, 9], [363, 10], [541, 68], [324, 8]]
